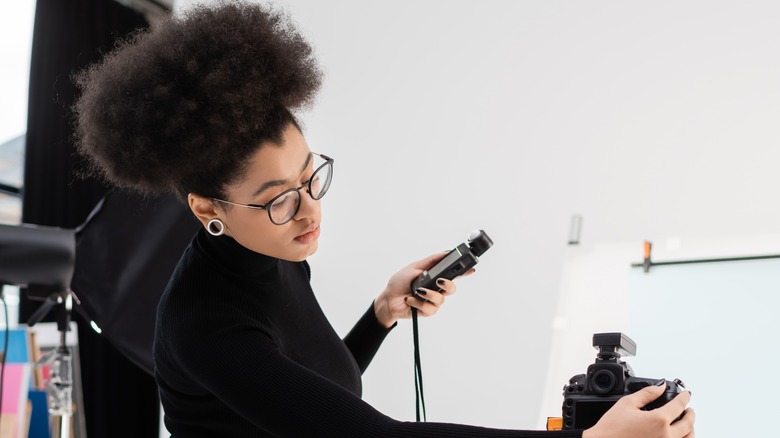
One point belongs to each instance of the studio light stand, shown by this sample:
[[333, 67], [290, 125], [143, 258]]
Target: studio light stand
[[43, 259], [59, 386]]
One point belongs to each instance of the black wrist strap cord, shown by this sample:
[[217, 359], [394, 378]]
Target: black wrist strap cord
[[418, 379]]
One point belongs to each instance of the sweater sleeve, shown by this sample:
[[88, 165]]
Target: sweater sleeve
[[288, 400], [366, 337]]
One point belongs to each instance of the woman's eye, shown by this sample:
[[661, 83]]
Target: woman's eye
[[282, 201]]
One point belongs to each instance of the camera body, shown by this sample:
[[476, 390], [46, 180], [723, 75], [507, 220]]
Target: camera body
[[456, 262], [588, 396]]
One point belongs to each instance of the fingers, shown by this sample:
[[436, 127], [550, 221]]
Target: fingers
[[446, 287], [433, 297], [681, 425], [426, 301], [670, 411], [425, 308], [676, 406], [646, 395], [684, 427]]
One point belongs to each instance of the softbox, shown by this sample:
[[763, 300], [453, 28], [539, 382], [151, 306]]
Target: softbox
[[38, 256], [125, 253]]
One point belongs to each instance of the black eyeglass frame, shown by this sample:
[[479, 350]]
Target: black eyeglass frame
[[266, 206]]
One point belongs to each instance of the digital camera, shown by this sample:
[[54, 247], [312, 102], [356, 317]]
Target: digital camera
[[588, 396]]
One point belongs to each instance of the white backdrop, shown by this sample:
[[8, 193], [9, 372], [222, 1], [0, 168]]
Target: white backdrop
[[651, 119]]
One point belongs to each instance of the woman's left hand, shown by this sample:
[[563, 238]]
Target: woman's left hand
[[397, 300]]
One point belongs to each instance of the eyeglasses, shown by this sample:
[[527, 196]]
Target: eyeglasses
[[284, 206]]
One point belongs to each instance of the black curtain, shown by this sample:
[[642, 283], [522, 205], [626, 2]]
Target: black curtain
[[120, 400]]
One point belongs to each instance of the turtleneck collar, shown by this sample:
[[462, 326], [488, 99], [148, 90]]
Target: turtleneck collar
[[226, 252]]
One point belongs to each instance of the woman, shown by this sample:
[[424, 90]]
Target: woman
[[202, 105]]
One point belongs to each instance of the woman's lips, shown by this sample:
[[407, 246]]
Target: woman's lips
[[309, 237]]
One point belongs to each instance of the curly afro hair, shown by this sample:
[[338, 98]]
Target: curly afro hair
[[179, 108]]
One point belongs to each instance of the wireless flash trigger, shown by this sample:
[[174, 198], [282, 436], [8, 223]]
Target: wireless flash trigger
[[456, 262]]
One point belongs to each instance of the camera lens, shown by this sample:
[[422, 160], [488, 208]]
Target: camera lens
[[602, 382]]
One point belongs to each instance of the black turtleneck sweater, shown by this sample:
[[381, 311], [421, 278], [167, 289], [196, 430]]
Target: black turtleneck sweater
[[243, 349]]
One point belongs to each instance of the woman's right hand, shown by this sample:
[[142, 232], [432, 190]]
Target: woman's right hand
[[626, 419]]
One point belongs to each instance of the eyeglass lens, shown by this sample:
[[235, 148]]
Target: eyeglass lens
[[286, 206]]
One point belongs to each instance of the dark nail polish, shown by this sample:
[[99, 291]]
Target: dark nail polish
[[661, 382], [421, 291], [440, 282]]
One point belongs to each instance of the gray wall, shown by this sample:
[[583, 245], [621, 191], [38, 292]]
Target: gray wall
[[651, 119]]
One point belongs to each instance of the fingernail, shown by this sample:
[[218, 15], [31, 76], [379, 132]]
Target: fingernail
[[661, 382], [440, 282], [421, 291]]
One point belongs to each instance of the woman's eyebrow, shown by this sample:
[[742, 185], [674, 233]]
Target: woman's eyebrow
[[281, 182]]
